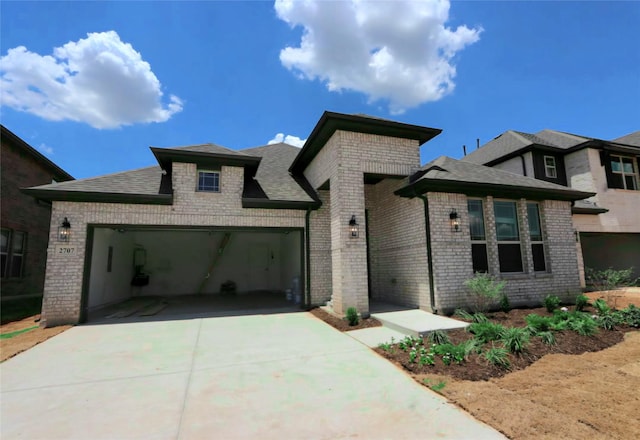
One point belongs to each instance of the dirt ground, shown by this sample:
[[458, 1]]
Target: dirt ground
[[24, 341], [341, 323]]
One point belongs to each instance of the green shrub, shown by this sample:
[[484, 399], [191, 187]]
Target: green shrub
[[479, 318], [608, 321], [498, 356], [485, 289], [631, 316], [515, 339], [547, 338], [609, 279], [450, 353], [352, 316], [537, 323], [409, 342], [551, 302], [486, 331], [581, 302], [470, 346], [504, 303], [438, 337], [601, 306], [463, 314], [582, 324]]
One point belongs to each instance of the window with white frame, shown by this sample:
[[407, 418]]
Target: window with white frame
[[550, 169], [624, 172], [12, 247], [208, 181], [535, 235], [478, 236], [508, 236]]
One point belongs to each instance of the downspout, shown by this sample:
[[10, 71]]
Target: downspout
[[307, 255], [427, 227]]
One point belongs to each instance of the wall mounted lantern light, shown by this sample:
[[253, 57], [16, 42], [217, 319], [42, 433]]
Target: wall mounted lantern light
[[64, 230], [454, 220], [354, 230]]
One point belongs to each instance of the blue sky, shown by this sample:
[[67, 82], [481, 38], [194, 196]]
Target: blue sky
[[92, 85]]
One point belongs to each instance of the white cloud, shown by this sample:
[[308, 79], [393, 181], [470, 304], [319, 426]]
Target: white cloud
[[46, 149], [400, 51], [288, 139], [99, 80]]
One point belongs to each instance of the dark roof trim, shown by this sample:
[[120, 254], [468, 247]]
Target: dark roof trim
[[279, 204], [99, 197], [489, 189], [61, 174], [330, 122], [165, 156], [581, 210]]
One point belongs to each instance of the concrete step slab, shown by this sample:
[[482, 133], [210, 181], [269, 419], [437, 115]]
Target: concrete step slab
[[417, 322], [374, 336]]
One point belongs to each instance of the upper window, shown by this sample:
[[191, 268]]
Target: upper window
[[508, 235], [535, 234], [624, 172], [478, 237], [208, 181], [550, 169], [12, 253]]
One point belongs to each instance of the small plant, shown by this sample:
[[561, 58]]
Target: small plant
[[601, 306], [504, 303], [352, 316], [582, 324], [470, 346], [463, 314], [551, 302], [515, 339], [582, 301], [631, 316], [450, 353], [386, 347], [486, 331], [409, 342], [548, 338], [438, 337], [485, 289], [537, 323], [498, 357], [608, 321], [439, 386], [479, 318]]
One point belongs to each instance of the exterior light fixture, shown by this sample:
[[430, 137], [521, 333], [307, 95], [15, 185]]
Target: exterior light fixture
[[64, 230], [354, 230], [454, 220]]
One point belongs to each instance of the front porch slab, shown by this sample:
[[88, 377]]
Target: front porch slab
[[417, 322]]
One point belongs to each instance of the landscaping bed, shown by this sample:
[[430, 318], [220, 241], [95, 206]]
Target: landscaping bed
[[341, 323], [19, 336]]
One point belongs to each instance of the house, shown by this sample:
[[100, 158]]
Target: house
[[25, 222], [607, 224], [349, 219]]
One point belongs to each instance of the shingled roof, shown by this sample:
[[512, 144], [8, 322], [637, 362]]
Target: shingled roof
[[445, 174], [630, 139]]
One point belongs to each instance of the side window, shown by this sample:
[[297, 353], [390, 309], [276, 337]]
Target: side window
[[550, 169], [208, 181], [624, 172], [535, 234], [508, 236], [12, 252], [478, 237]]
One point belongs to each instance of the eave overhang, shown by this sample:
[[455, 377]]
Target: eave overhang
[[279, 204], [166, 157], [480, 189], [99, 197], [330, 122], [592, 211]]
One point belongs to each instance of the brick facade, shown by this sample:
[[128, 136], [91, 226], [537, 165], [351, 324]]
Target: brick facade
[[20, 212]]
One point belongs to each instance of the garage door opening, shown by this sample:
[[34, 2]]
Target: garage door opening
[[149, 272]]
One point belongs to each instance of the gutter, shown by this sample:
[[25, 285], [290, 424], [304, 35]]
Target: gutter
[[427, 227]]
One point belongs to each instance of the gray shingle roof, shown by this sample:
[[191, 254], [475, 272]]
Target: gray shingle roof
[[141, 181], [561, 139], [206, 148], [273, 173], [630, 139], [461, 176], [508, 142]]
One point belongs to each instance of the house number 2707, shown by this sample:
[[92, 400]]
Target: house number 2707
[[66, 250]]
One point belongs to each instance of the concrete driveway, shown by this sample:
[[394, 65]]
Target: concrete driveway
[[281, 376]]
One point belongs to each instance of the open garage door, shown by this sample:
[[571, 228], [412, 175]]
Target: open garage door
[[149, 271]]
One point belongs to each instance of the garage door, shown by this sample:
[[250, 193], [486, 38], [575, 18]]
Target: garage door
[[142, 262]]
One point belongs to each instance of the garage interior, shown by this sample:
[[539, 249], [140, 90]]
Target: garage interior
[[602, 250], [151, 272]]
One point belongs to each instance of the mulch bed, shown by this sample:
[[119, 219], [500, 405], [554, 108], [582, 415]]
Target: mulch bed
[[341, 323], [477, 368]]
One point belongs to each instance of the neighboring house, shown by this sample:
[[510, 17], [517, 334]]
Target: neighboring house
[[607, 225], [350, 218], [25, 221]]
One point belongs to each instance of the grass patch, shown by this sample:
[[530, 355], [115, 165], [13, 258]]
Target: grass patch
[[17, 332]]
